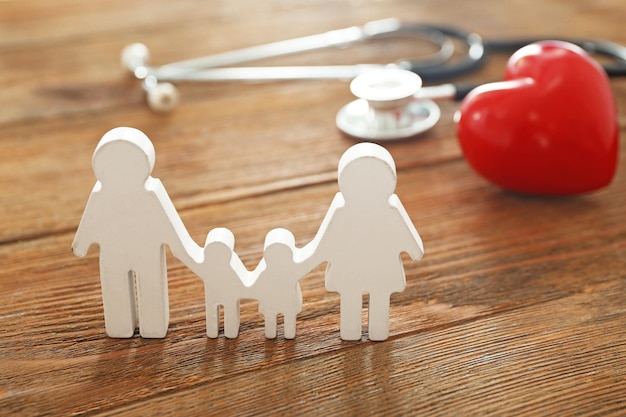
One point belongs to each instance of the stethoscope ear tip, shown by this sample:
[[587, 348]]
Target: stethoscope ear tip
[[134, 56], [163, 97]]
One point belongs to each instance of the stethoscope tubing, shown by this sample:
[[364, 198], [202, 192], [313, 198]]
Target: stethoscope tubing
[[437, 68], [614, 51], [457, 92]]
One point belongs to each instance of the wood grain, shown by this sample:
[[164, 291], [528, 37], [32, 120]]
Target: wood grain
[[518, 307]]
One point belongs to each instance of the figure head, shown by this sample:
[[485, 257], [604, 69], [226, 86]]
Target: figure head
[[279, 245], [219, 245], [123, 158], [366, 173]]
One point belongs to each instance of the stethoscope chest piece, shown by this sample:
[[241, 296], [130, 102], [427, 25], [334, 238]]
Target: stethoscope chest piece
[[386, 108]]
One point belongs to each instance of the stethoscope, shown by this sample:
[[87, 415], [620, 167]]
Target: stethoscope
[[392, 102]]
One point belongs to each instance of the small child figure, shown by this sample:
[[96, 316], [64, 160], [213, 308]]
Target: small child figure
[[276, 283], [226, 281]]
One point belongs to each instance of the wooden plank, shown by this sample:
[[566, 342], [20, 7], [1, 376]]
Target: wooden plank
[[560, 357], [516, 309], [196, 164], [63, 60], [503, 267], [554, 355]]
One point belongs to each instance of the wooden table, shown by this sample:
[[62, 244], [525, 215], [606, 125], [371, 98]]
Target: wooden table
[[518, 307]]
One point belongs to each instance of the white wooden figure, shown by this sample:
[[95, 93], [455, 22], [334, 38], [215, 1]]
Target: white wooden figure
[[131, 217], [362, 237], [226, 281], [276, 282]]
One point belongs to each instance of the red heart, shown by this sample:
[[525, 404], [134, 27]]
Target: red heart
[[550, 128]]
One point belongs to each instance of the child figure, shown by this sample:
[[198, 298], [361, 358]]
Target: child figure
[[131, 217], [362, 237], [226, 282], [276, 285]]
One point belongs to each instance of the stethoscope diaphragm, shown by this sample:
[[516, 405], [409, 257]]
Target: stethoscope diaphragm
[[387, 107]]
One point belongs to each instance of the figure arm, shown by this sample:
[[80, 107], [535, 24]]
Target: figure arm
[[305, 260], [190, 254], [411, 241], [196, 266], [87, 234], [316, 251], [176, 235], [247, 277]]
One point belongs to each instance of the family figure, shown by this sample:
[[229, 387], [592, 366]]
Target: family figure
[[132, 219]]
